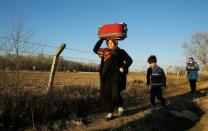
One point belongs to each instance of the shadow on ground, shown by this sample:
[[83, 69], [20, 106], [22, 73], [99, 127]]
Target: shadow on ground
[[162, 119]]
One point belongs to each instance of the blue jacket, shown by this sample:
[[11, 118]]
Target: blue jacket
[[192, 71]]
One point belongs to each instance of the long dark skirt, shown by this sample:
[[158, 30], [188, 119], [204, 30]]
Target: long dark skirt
[[112, 83], [111, 96]]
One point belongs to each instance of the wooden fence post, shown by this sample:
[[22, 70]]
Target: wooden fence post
[[54, 66]]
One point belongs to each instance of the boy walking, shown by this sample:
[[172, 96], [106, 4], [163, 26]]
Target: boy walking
[[155, 80]]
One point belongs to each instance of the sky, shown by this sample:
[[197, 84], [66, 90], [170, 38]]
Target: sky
[[156, 27]]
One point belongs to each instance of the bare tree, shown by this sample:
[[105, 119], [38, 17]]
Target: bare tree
[[168, 68], [18, 35], [198, 48], [15, 43]]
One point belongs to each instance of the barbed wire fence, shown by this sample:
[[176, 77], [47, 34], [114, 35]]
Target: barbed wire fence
[[35, 63]]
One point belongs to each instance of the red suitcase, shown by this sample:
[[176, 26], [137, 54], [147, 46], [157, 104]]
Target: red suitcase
[[116, 31]]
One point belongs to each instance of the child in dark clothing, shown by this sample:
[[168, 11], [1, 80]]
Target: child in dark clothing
[[155, 80]]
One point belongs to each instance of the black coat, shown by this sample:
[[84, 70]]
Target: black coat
[[110, 76]]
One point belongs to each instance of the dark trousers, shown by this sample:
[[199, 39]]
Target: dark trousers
[[156, 91], [192, 85]]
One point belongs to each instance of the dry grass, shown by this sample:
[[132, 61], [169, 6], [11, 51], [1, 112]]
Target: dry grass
[[27, 104], [24, 102], [203, 77]]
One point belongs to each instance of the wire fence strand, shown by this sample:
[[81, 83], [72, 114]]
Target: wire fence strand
[[47, 45], [138, 64]]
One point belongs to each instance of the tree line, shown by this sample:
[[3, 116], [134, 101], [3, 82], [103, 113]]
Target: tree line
[[43, 63]]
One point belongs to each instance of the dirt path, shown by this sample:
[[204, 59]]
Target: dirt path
[[203, 102], [139, 117], [97, 121]]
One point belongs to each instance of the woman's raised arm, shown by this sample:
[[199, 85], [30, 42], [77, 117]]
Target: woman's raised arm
[[97, 46]]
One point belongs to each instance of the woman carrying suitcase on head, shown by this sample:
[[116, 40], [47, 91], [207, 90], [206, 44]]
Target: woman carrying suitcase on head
[[113, 70]]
